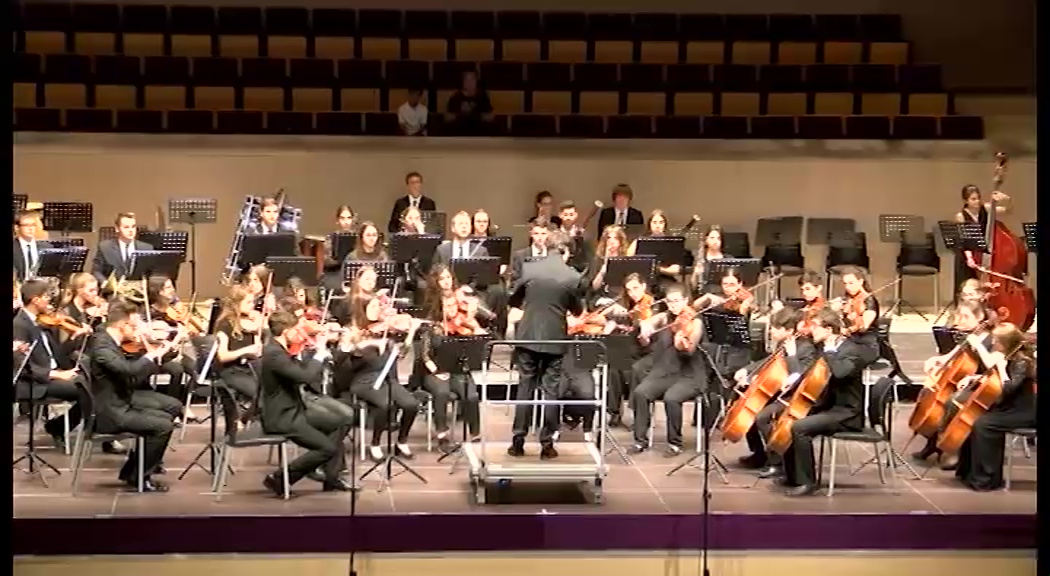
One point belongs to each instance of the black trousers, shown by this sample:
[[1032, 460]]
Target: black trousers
[[182, 372], [321, 432], [674, 390], [66, 391], [539, 371], [984, 452], [621, 384], [495, 298], [155, 426], [758, 433], [800, 467], [383, 411], [245, 387], [457, 386], [157, 401], [579, 384]]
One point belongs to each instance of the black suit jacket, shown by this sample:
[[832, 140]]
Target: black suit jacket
[[443, 253], [425, 204], [109, 260], [806, 354], [19, 257], [114, 376], [607, 217], [517, 263], [258, 229], [844, 395], [280, 377], [547, 291], [35, 376]]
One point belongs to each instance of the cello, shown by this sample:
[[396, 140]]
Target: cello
[[1005, 265], [763, 387], [808, 391], [963, 361]]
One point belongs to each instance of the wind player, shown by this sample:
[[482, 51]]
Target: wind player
[[414, 199], [285, 412], [981, 456], [841, 407], [799, 354], [26, 246], [546, 292], [113, 257], [677, 375], [621, 213], [269, 218], [539, 230]]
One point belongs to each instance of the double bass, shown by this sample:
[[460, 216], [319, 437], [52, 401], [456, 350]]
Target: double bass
[[1004, 267]]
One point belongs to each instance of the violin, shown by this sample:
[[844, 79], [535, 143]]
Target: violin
[[683, 329], [60, 321], [180, 313], [737, 300], [459, 325], [809, 312], [642, 309], [853, 311]]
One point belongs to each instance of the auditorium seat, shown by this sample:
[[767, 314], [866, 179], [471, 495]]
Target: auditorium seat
[[659, 52], [286, 32], [359, 73], [95, 28], [359, 100], [449, 75], [139, 121], [828, 78], [503, 75], [466, 24], [24, 95], [868, 127], [880, 104], [239, 31], [567, 51], [753, 53], [642, 77], [736, 77], [889, 53], [507, 101], [548, 75], [833, 103], [381, 125], [475, 50], [629, 127], [166, 80], [689, 77], [927, 104], [380, 32], [595, 77], [239, 122], [406, 73], [792, 27], [839, 52], [115, 97], [289, 123], [772, 127], [725, 127], [65, 95], [81, 120], [694, 104], [521, 50], [647, 103], [338, 123], [214, 98], [119, 70], [677, 127], [37, 120], [192, 30], [45, 26], [554, 103], [190, 121], [919, 78], [705, 52], [333, 33], [786, 104], [874, 78], [837, 26], [600, 103], [143, 28], [796, 53], [739, 104], [581, 126], [782, 78], [914, 128], [820, 127]]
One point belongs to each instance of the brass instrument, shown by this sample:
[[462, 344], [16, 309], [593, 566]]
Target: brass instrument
[[287, 221]]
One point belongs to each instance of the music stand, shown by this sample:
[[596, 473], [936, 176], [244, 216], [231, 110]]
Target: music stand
[[386, 272], [19, 202], [173, 241], [780, 231], [68, 217], [73, 263], [49, 263], [193, 211], [477, 272], [820, 230], [747, 270], [668, 250], [284, 267], [461, 356], [256, 248], [434, 222], [343, 243], [385, 466], [107, 233], [1031, 236], [61, 243], [902, 230], [498, 246], [972, 238], [415, 251], [146, 263], [620, 267], [947, 338]]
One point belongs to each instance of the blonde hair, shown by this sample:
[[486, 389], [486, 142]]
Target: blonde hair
[[231, 308], [615, 232]]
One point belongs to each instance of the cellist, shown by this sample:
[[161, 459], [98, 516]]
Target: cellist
[[982, 454], [799, 354], [840, 408], [970, 316]]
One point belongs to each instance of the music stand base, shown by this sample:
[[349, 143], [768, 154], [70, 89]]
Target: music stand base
[[35, 466], [896, 460], [384, 468], [614, 446], [718, 467], [211, 447]]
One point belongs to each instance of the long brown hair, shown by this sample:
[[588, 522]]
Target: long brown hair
[[1016, 345], [615, 232], [434, 299], [231, 308]]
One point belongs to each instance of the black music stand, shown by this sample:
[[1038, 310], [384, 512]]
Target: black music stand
[[461, 356], [66, 243], [747, 270], [414, 251], [49, 263], [386, 272], [68, 217], [20, 201], [820, 230], [146, 263], [434, 222], [385, 466], [256, 248], [477, 272], [947, 338], [972, 237], [284, 267], [172, 241], [620, 267], [951, 236], [193, 211], [1031, 236], [902, 229], [343, 243], [498, 246], [668, 250]]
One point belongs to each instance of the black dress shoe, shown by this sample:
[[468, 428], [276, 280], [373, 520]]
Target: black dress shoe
[[274, 484], [148, 485], [615, 421], [770, 472], [753, 461], [114, 448], [516, 450], [316, 476], [548, 452], [160, 469], [338, 485], [637, 448], [804, 490], [672, 451]]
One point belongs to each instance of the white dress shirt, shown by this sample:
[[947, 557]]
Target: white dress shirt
[[30, 252], [621, 217], [127, 249], [460, 249], [43, 339], [538, 252]]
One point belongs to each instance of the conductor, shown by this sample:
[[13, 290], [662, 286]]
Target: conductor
[[547, 291]]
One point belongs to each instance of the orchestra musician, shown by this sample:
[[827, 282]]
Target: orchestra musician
[[811, 287], [113, 257], [621, 213], [257, 282], [981, 458], [47, 374], [581, 249], [344, 223], [117, 403], [238, 335], [26, 246], [269, 218], [860, 310], [163, 314], [462, 247], [972, 317], [637, 305], [368, 248], [578, 380], [539, 230], [414, 199], [975, 211], [284, 410], [344, 219], [841, 408], [547, 291], [709, 249], [544, 204], [82, 302], [656, 227], [677, 373], [799, 355], [481, 225], [613, 244]]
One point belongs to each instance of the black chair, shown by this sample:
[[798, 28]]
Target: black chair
[[87, 436], [785, 259], [250, 437], [918, 258], [877, 431], [845, 249], [736, 244]]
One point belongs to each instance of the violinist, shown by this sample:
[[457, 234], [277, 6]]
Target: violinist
[[26, 246], [860, 310], [368, 248], [613, 243], [637, 305], [581, 249], [269, 218], [811, 287], [733, 297], [414, 199], [257, 281], [481, 225], [577, 380], [366, 348], [709, 249], [677, 374], [981, 457], [443, 386], [165, 315], [82, 301], [656, 227], [724, 358], [973, 318], [239, 337], [412, 222], [118, 410], [799, 354], [539, 230], [47, 375], [975, 211], [841, 408]]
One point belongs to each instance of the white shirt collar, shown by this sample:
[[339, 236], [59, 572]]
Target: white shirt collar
[[25, 243]]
